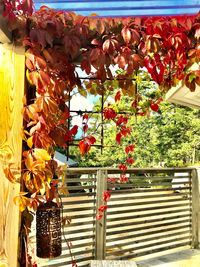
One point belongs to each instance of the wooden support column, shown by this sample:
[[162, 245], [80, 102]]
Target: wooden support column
[[12, 69], [100, 239], [195, 209]]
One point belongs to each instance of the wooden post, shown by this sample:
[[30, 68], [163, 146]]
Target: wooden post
[[12, 69], [195, 209], [100, 250]]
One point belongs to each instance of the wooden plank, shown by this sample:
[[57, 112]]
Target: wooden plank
[[71, 239], [82, 259], [133, 197], [100, 224], [195, 209], [144, 215], [84, 194], [69, 263], [86, 251], [145, 209], [138, 241], [78, 209], [81, 187], [84, 201], [80, 180], [121, 225], [78, 231], [157, 177], [146, 246], [82, 223], [77, 246], [12, 68], [79, 216], [147, 190], [134, 229], [131, 170], [151, 251], [131, 204], [147, 185], [129, 236]]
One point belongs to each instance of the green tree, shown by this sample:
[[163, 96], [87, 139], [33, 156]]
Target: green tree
[[167, 138]]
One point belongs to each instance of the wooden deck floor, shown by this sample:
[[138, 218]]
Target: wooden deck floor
[[184, 258]]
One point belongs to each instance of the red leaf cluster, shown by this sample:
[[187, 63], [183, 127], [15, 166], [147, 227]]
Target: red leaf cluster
[[85, 144]]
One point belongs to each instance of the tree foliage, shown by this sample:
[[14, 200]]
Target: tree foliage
[[165, 138]]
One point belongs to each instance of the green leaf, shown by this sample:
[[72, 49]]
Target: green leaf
[[192, 77]]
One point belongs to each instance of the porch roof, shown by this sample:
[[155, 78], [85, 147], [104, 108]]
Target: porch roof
[[118, 8]]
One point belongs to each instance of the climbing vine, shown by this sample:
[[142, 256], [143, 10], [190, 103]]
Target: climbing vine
[[57, 44]]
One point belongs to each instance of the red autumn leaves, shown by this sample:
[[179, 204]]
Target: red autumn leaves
[[86, 144]]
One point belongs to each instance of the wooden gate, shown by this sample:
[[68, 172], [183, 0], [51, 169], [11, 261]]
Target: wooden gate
[[150, 213], [155, 211]]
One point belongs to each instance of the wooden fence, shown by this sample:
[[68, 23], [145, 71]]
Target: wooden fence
[[155, 211]]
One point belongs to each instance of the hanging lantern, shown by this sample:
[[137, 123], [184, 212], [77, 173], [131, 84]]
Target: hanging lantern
[[48, 231]]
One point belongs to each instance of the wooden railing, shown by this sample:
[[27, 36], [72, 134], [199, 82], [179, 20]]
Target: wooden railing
[[156, 210]]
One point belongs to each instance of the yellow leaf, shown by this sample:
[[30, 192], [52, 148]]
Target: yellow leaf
[[82, 91], [28, 160], [9, 174], [93, 15], [22, 201], [42, 190], [64, 167], [30, 141], [41, 154], [63, 190]]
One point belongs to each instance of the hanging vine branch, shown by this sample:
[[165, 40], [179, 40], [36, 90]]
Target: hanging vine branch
[[56, 43]]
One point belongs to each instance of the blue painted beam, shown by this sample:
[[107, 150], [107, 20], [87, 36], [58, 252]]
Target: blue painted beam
[[115, 8]]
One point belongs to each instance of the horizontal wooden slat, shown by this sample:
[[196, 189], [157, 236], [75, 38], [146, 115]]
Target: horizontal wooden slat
[[77, 253], [81, 194], [84, 201], [146, 246], [81, 260], [147, 227], [89, 222], [158, 177], [133, 197], [81, 216], [71, 239], [110, 206], [147, 190], [141, 185], [69, 263], [151, 251], [120, 225], [72, 180], [138, 241], [79, 231], [145, 209], [82, 245], [149, 170], [111, 239], [81, 187], [78, 209], [148, 215], [129, 170]]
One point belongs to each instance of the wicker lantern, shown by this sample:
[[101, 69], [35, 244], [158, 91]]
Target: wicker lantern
[[48, 231]]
